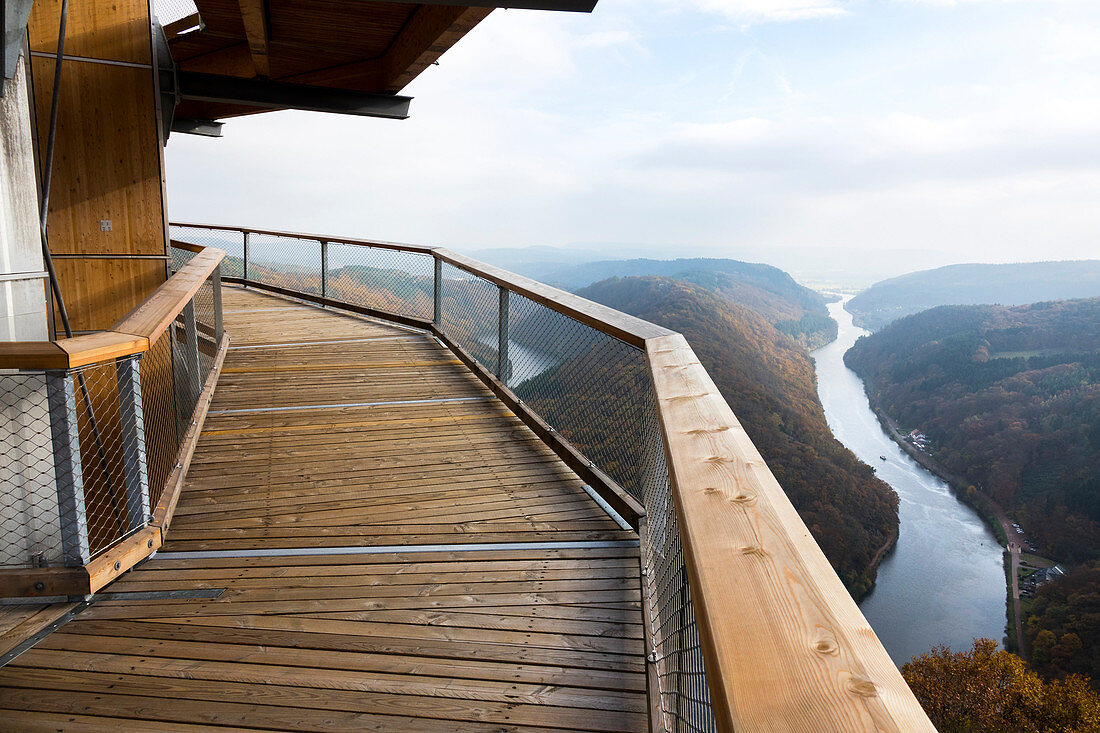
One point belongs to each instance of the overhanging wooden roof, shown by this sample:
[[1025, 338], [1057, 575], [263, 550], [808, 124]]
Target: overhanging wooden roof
[[359, 45]]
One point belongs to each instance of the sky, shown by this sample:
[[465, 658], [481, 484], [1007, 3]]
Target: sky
[[946, 130]]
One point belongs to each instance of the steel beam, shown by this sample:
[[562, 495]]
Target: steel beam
[[132, 429], [216, 285], [266, 94], [13, 15], [504, 364], [244, 264], [206, 128], [437, 296]]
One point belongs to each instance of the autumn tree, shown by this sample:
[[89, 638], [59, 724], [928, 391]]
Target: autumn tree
[[988, 690]]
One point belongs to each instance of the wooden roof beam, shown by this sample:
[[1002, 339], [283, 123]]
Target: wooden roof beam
[[431, 31], [254, 16], [571, 6]]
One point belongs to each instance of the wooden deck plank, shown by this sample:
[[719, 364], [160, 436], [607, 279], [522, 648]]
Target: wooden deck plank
[[533, 638]]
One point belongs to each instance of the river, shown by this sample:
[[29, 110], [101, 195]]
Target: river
[[945, 582]]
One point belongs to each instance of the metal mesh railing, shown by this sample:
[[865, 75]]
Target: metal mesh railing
[[591, 387], [383, 279], [231, 242], [76, 477], [469, 314], [678, 655], [380, 278], [86, 453], [30, 533], [594, 390], [285, 262]]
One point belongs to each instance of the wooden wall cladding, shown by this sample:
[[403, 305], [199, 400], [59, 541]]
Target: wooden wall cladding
[[108, 163], [117, 30], [100, 292], [106, 159]]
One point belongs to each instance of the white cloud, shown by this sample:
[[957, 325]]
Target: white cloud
[[758, 11], [616, 127]]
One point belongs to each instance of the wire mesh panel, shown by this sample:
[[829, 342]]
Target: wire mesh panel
[[30, 533], [86, 453], [285, 262], [110, 426], [470, 313], [681, 676], [590, 387], [180, 257], [230, 241], [383, 279], [162, 439], [74, 463]]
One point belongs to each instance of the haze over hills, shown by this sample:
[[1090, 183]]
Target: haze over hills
[[973, 284], [833, 267], [1010, 398], [792, 308], [768, 380]]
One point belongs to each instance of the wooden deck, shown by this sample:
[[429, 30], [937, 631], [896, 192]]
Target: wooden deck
[[345, 469]]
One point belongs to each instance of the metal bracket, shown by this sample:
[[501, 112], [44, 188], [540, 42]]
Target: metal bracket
[[132, 427], [437, 317], [61, 395], [14, 15], [504, 363]]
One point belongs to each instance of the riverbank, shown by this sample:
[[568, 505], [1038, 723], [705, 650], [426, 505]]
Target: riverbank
[[942, 581], [991, 513]]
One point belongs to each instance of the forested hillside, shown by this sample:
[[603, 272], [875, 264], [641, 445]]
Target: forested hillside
[[973, 284], [1010, 398], [793, 309], [768, 380]]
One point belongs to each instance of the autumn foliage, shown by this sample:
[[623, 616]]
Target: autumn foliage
[[768, 380], [988, 690]]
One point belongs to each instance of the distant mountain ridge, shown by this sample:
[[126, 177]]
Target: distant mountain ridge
[[974, 284], [792, 308], [769, 382]]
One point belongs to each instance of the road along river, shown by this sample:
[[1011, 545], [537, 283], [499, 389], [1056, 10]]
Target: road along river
[[945, 582]]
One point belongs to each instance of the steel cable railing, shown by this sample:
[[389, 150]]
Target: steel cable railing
[[87, 450], [591, 388]]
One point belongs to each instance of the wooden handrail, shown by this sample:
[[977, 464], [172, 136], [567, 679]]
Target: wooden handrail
[[622, 326], [785, 646], [152, 318], [70, 353], [134, 334], [420, 249]]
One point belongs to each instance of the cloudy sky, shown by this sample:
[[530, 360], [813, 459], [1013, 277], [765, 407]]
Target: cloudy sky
[[967, 128]]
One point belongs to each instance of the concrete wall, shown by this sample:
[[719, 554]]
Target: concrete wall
[[22, 287], [29, 529]]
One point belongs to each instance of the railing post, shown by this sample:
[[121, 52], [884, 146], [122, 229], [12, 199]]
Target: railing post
[[324, 269], [191, 354], [438, 291], [216, 286], [504, 364], [132, 428], [65, 437], [245, 266]]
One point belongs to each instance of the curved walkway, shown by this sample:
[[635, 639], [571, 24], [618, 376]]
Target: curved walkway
[[367, 540]]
